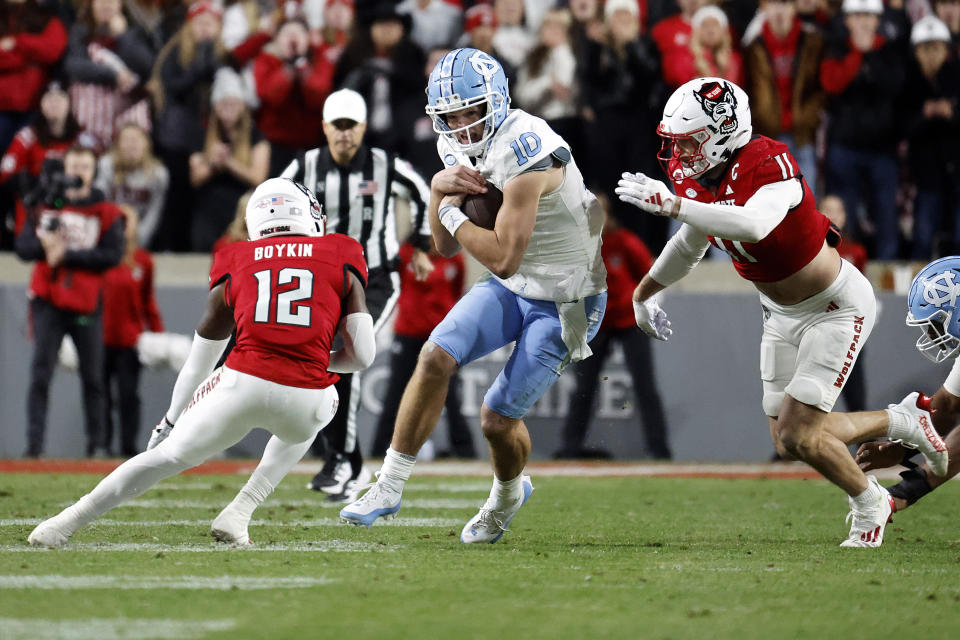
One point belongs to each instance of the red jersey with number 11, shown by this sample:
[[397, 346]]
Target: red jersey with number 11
[[795, 241], [286, 295]]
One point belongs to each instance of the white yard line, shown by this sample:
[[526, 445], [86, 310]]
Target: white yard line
[[322, 546], [316, 522], [110, 628], [165, 503], [125, 583]]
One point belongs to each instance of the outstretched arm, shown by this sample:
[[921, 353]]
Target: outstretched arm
[[501, 249], [748, 223]]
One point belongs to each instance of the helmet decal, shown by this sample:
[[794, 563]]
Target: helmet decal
[[941, 289], [720, 103]]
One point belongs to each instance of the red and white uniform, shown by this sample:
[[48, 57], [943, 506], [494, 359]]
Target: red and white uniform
[[794, 242], [808, 348], [286, 293]]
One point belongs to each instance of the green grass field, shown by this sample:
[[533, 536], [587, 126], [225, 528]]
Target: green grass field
[[586, 558]]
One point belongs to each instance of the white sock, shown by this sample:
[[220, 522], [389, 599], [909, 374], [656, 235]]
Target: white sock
[[396, 469], [900, 427], [506, 493], [869, 498], [278, 458], [250, 497]]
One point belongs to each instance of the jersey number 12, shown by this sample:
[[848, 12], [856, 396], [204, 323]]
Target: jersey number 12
[[287, 311]]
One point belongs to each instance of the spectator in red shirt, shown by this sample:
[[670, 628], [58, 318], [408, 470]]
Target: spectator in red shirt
[[710, 52], [421, 306], [32, 39], [786, 99], [72, 246], [293, 79], [627, 260], [672, 36], [53, 132], [854, 393], [129, 305]]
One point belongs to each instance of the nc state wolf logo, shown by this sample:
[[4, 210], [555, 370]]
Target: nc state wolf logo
[[719, 102]]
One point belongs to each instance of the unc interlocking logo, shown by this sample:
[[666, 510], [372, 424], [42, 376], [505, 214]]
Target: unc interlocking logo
[[483, 64], [941, 289]]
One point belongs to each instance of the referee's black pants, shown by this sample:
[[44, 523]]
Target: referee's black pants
[[403, 362], [50, 324], [639, 361], [340, 436]]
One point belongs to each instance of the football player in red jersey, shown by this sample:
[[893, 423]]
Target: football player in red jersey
[[287, 291], [745, 195]]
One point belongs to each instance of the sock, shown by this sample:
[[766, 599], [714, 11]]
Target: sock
[[278, 458], [913, 486], [396, 469], [900, 427], [869, 498], [507, 493]]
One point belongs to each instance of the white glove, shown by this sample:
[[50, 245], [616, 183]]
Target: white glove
[[647, 194], [651, 319], [159, 433]]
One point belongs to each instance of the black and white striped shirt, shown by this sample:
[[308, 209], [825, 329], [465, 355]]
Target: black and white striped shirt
[[359, 199]]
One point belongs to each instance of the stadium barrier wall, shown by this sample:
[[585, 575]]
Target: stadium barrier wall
[[708, 374]]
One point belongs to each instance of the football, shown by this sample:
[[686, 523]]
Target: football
[[482, 208]]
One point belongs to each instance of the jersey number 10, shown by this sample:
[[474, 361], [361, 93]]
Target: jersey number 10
[[287, 312]]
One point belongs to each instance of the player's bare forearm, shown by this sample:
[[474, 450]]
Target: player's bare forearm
[[501, 249], [648, 287], [447, 245], [217, 321]]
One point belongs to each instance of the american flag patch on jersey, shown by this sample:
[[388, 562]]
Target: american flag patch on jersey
[[367, 187]]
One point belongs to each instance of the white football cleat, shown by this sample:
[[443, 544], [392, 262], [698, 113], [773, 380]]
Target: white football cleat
[[352, 488], [379, 502], [341, 476], [916, 407], [491, 523], [231, 528], [867, 527], [50, 534]]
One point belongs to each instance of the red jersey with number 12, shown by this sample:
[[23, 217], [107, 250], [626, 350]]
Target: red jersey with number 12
[[286, 295], [795, 241]]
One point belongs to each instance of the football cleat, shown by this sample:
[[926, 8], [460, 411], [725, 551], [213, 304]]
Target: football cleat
[[916, 407], [336, 470], [379, 502], [231, 528], [50, 534], [867, 527], [491, 523], [353, 487]]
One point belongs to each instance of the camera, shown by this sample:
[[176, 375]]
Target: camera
[[50, 186]]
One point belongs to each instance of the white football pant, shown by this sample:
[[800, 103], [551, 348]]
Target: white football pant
[[224, 409]]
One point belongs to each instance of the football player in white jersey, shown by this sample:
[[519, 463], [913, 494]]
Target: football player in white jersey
[[546, 290]]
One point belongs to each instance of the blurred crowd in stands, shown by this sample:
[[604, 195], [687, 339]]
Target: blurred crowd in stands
[[188, 105]]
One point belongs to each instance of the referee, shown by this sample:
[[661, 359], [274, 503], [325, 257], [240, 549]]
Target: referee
[[358, 187]]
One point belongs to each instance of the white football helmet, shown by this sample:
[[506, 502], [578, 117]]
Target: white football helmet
[[704, 122], [282, 207]]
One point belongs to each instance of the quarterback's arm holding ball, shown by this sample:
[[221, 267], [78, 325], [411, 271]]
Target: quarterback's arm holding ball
[[209, 341], [457, 179], [501, 249], [356, 329]]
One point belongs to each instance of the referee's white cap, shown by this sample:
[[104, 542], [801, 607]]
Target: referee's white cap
[[345, 104]]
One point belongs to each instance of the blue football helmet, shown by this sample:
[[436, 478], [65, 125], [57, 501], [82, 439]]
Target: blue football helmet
[[465, 78], [932, 305]]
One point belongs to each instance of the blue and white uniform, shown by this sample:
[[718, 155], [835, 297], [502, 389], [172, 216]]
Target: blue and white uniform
[[553, 305]]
